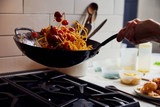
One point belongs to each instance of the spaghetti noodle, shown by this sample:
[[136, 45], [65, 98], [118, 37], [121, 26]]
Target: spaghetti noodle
[[64, 37]]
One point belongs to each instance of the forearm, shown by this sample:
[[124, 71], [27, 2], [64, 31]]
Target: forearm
[[137, 31], [156, 31]]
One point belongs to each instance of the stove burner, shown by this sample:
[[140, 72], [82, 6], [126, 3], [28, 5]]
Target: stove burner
[[83, 103], [50, 88], [5, 95], [81, 86], [54, 89]]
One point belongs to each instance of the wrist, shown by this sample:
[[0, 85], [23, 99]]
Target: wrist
[[157, 32], [156, 29]]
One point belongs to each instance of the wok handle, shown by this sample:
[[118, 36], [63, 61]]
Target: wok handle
[[17, 29], [104, 43]]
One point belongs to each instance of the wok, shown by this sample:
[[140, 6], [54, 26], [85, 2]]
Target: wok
[[55, 58]]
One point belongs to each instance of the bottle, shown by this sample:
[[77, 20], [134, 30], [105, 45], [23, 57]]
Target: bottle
[[144, 58]]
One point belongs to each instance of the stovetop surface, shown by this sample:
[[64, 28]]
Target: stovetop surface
[[49, 88]]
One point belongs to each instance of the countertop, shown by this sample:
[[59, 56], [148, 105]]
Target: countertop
[[98, 79]]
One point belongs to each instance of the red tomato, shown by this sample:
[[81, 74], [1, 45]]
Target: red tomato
[[49, 39], [60, 31], [58, 19], [57, 14], [72, 29], [55, 38], [50, 47], [64, 29], [72, 38], [61, 36], [68, 36], [66, 46], [35, 35], [43, 31], [65, 22], [54, 30]]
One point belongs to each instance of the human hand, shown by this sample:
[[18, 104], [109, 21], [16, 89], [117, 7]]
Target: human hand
[[137, 31]]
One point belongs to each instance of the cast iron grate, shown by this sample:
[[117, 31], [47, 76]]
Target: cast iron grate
[[54, 89]]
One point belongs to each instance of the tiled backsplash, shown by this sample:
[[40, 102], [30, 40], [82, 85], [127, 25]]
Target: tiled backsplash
[[37, 14]]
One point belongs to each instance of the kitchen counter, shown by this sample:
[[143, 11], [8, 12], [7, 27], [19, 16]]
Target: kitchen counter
[[98, 79]]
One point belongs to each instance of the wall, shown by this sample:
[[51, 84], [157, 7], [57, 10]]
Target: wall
[[37, 14], [150, 9]]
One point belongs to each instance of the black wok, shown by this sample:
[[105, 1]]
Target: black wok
[[56, 58]]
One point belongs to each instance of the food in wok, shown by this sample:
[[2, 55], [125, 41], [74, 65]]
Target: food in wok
[[58, 46], [62, 37]]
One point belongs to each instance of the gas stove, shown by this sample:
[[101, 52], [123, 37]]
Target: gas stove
[[50, 88]]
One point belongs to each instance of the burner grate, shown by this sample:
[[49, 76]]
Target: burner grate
[[13, 97], [55, 89]]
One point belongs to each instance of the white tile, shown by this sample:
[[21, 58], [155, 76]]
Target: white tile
[[19, 63], [48, 6], [114, 23], [8, 47], [148, 9], [119, 7], [115, 44], [107, 54], [11, 6], [81, 6], [8, 22], [104, 6], [102, 36]]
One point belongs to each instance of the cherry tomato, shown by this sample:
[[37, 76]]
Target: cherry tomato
[[60, 31], [66, 46], [72, 38], [43, 31], [58, 19], [72, 29], [50, 47], [49, 39], [65, 22], [55, 38], [35, 35], [64, 29], [54, 30], [61, 36], [57, 14], [68, 36]]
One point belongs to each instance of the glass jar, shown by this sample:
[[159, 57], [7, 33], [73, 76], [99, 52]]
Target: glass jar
[[144, 57]]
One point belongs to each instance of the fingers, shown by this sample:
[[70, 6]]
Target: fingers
[[131, 36], [128, 31], [137, 20], [120, 35], [128, 24]]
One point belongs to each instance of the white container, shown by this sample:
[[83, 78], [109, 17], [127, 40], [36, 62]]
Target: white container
[[111, 68], [78, 70], [144, 58], [130, 77], [111, 72], [129, 58]]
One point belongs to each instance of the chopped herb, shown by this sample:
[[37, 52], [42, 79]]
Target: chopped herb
[[157, 63]]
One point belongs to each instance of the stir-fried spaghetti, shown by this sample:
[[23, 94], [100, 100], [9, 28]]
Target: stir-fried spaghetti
[[63, 37]]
